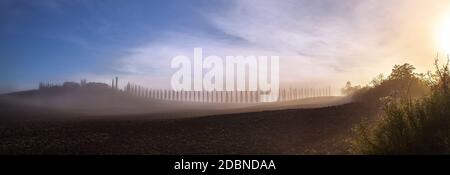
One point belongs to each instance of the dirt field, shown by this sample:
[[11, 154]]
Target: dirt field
[[322, 130]]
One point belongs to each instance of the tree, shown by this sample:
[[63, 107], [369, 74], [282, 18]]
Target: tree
[[410, 125], [377, 80], [405, 71], [349, 89]]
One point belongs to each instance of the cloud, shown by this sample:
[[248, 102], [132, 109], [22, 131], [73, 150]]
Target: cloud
[[319, 42]]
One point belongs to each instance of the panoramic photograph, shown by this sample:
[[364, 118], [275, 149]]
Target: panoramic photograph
[[224, 77]]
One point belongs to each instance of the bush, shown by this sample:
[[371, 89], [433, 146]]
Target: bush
[[402, 83], [410, 126]]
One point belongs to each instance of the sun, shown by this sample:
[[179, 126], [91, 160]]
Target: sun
[[443, 35]]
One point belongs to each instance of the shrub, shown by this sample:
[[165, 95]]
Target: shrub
[[410, 126], [402, 83]]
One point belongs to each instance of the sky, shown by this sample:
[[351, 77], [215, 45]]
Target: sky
[[320, 42]]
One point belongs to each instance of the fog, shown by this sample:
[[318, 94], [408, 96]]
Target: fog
[[105, 102]]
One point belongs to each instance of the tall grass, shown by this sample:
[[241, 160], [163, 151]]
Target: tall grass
[[410, 126]]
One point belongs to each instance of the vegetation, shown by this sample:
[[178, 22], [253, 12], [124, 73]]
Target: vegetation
[[402, 83], [415, 120]]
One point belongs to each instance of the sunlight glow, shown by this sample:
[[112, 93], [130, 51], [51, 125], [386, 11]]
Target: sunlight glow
[[444, 35]]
